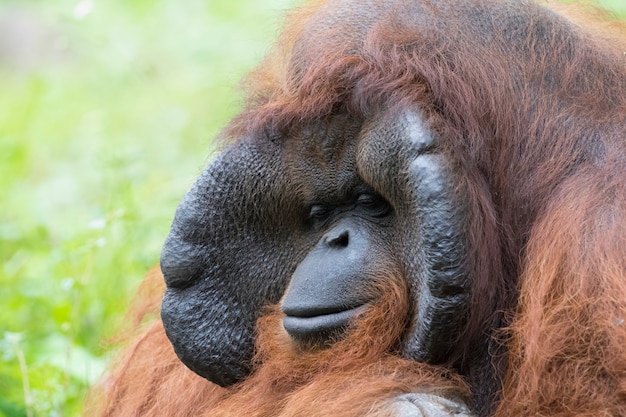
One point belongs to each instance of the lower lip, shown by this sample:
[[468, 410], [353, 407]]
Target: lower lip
[[310, 328]]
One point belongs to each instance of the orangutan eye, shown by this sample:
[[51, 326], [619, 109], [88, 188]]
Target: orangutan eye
[[319, 212], [373, 204]]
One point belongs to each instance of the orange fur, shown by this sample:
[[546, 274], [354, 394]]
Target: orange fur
[[148, 379], [550, 250], [568, 344], [356, 376]]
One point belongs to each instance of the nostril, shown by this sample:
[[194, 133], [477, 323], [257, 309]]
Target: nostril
[[337, 240]]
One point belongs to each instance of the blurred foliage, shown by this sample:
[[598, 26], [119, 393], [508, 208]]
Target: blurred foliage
[[107, 114]]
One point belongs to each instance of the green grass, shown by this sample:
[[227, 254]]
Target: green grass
[[616, 6], [99, 139], [97, 145]]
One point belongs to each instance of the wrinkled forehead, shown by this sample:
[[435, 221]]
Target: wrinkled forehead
[[339, 21], [342, 26], [338, 27], [322, 155]]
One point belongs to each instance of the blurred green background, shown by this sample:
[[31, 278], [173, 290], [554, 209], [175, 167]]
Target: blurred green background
[[107, 110]]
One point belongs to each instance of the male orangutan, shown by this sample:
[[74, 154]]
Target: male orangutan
[[421, 212]]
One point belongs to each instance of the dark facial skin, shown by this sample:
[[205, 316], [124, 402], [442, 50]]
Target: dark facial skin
[[352, 224], [313, 218], [472, 148]]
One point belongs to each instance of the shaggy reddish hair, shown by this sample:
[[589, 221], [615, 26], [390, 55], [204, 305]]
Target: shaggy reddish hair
[[549, 240], [358, 375]]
